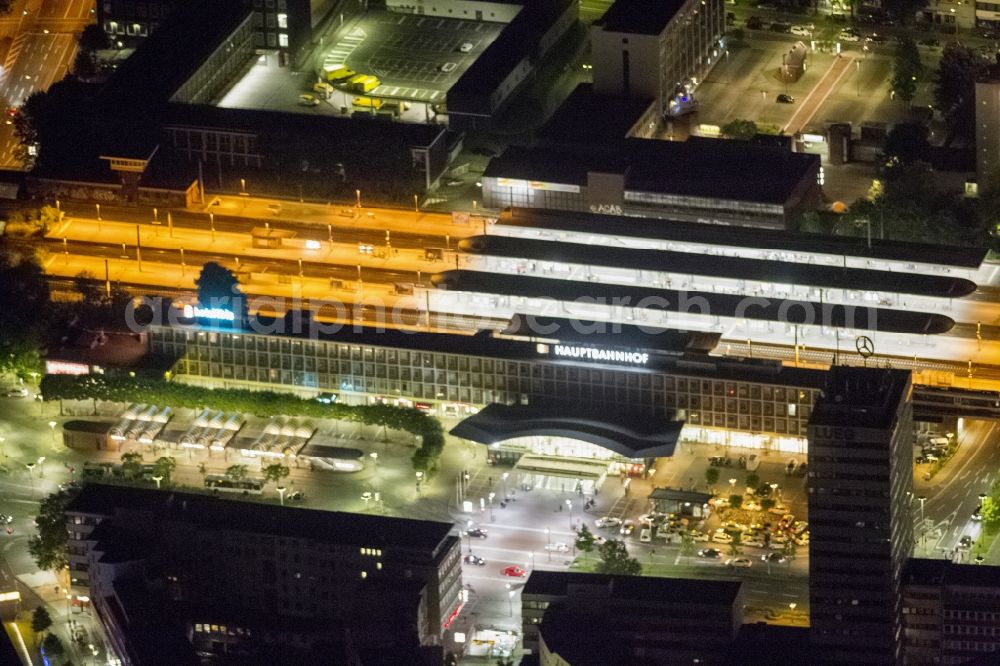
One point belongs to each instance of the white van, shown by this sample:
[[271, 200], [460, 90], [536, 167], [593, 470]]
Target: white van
[[646, 535], [753, 462]]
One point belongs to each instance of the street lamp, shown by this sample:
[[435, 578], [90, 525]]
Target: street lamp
[[510, 598], [792, 606], [503, 477], [52, 427], [41, 467], [157, 479], [492, 517], [281, 494], [357, 198], [569, 505], [374, 457], [31, 478], [732, 486], [548, 543], [420, 477], [922, 499], [468, 526]]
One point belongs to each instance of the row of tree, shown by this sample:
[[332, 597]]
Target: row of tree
[[427, 429]]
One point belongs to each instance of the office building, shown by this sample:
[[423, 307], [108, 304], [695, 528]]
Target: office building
[[657, 50], [987, 132], [951, 612], [262, 562], [699, 180], [583, 619], [860, 515], [278, 25]]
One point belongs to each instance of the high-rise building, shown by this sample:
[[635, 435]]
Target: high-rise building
[[860, 490], [987, 131]]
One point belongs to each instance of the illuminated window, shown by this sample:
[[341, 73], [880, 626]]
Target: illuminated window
[[364, 574], [282, 20], [378, 566], [282, 39]]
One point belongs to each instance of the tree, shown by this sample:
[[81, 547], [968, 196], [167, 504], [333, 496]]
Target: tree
[[906, 70], [53, 648], [29, 123], [688, 545], [236, 472], [275, 472], [712, 476], [742, 130], [84, 65], [753, 480], [767, 503], [48, 546], [615, 559], [955, 86], [26, 307], [906, 143], [735, 501], [501, 661], [40, 620], [218, 288], [131, 464], [584, 540], [93, 38], [164, 467]]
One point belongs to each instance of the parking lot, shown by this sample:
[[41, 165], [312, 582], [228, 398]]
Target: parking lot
[[415, 57]]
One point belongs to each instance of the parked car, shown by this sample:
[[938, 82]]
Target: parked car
[[698, 536], [306, 99], [475, 560], [709, 553], [778, 26], [920, 460], [722, 537], [465, 47], [599, 540], [965, 543], [800, 526], [739, 562], [608, 521], [646, 535], [849, 35], [977, 514], [17, 393], [754, 23], [778, 509], [773, 558], [476, 532], [753, 461], [784, 99], [557, 547], [754, 542], [802, 30], [517, 572], [802, 539]]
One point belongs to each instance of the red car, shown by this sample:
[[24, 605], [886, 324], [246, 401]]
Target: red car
[[515, 571]]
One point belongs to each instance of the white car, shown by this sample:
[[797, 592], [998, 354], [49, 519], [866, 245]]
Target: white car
[[754, 542], [557, 547], [802, 539], [646, 535], [599, 540], [17, 393], [722, 537], [739, 562], [778, 509], [608, 521], [699, 536], [801, 30], [778, 542], [465, 47], [849, 36]]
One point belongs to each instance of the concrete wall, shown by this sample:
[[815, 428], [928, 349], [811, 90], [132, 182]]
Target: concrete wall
[[608, 53], [498, 12]]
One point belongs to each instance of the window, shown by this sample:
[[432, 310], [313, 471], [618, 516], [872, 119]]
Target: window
[[283, 20], [282, 40]]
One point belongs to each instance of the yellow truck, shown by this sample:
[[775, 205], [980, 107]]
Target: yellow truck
[[340, 74], [363, 83], [367, 103]]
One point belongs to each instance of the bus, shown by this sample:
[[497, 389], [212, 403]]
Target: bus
[[224, 484]]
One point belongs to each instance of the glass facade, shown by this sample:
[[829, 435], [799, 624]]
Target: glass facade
[[365, 372]]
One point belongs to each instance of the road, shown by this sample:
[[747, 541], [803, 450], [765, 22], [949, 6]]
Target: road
[[808, 107]]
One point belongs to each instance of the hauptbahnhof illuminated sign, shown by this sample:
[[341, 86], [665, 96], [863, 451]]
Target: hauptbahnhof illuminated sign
[[596, 354]]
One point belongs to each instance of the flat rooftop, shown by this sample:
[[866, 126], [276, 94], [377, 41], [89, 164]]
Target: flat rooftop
[[780, 242], [229, 514], [575, 117], [641, 17], [860, 397], [707, 168], [646, 588]]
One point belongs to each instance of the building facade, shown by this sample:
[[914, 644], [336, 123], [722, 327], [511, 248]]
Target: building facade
[[657, 50], [860, 493], [725, 402], [987, 131], [292, 563], [951, 612]]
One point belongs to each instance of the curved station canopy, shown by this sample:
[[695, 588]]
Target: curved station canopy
[[627, 435]]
